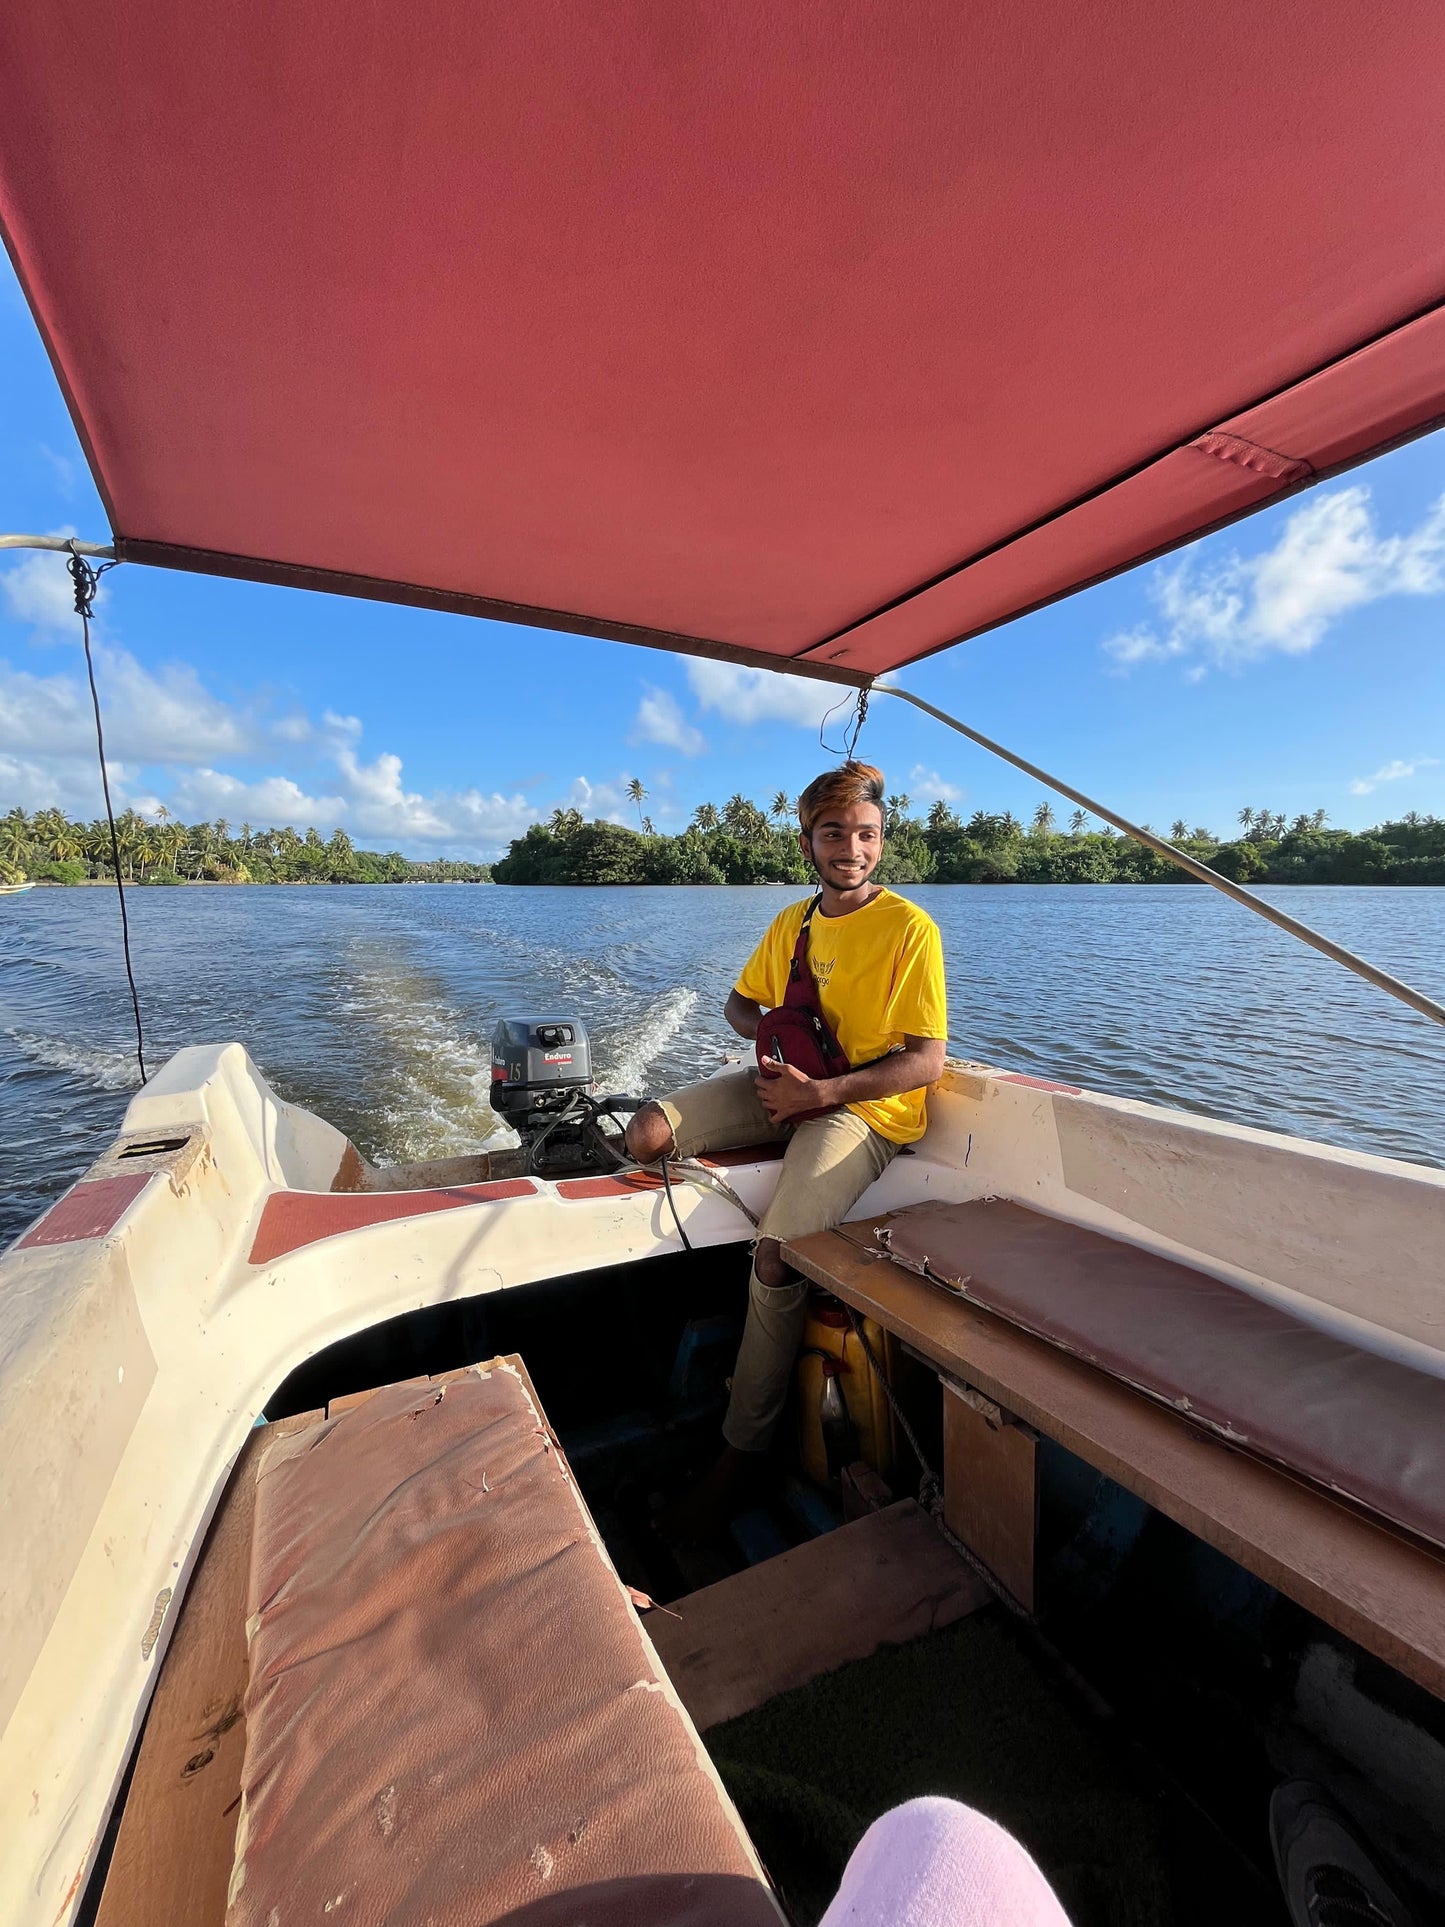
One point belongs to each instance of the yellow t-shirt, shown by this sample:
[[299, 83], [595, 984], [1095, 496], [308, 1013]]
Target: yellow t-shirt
[[879, 973]]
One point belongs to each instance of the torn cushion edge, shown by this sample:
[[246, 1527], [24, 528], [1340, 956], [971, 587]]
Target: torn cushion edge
[[1360, 1425], [453, 1712]]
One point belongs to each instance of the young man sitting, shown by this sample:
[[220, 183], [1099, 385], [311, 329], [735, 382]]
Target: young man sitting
[[877, 962]]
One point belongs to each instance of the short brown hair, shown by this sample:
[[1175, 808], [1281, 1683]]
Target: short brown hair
[[841, 788]]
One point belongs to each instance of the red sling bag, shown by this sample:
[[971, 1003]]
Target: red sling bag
[[797, 1032]]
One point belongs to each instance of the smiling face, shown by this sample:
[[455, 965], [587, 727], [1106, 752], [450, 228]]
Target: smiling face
[[845, 845]]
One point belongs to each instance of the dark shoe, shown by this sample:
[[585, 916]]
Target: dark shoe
[[1329, 1880], [730, 1486]]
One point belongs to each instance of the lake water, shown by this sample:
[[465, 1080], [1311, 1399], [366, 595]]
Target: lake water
[[374, 1006]]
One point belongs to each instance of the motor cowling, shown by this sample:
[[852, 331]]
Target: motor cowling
[[537, 1064]]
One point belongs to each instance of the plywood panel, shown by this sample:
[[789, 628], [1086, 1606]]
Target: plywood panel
[[990, 1488], [885, 1579], [1380, 1589]]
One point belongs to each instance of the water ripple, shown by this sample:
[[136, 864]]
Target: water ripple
[[375, 1006]]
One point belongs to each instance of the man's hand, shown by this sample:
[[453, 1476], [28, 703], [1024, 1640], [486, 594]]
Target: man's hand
[[786, 1093]]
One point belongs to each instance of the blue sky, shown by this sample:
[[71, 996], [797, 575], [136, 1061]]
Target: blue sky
[[1294, 663]]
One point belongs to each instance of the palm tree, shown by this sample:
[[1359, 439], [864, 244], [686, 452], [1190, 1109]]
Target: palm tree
[[742, 816], [1246, 819], [780, 806], [14, 836], [1178, 830], [941, 817], [638, 793], [1077, 822], [1043, 820], [705, 816]]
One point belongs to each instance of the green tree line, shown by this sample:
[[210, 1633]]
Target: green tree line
[[48, 847], [744, 843]]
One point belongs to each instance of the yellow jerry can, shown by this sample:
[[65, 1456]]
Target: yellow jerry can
[[831, 1350]]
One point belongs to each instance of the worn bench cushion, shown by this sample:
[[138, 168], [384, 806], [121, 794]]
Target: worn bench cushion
[[1352, 1421], [453, 1713]]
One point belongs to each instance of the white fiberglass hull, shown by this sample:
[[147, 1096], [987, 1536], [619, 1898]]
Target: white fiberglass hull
[[147, 1319]]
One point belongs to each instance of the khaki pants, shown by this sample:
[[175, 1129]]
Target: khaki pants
[[830, 1162]]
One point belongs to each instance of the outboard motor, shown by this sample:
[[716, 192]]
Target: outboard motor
[[542, 1087]]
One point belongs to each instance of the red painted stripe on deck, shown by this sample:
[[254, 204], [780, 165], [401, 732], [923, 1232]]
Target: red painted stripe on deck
[[88, 1210], [1037, 1083], [619, 1185], [608, 1187], [291, 1219]]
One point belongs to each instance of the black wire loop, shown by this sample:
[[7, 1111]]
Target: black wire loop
[[86, 579], [852, 729]]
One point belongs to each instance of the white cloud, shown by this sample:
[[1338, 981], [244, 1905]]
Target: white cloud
[[1391, 773], [660, 719], [44, 784], [167, 723], [163, 716], [1330, 559], [927, 786], [607, 802], [748, 696], [201, 795], [64, 469]]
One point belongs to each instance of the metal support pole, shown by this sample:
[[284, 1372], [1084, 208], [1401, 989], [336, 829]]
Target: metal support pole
[[1381, 979], [60, 544]]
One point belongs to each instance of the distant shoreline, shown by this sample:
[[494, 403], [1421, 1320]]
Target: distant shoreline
[[738, 843]]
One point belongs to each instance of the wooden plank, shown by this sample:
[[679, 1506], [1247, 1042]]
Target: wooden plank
[[173, 1849], [885, 1579], [991, 1487], [1385, 1592]]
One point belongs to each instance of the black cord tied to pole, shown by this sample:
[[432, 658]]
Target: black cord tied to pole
[[853, 729], [86, 579]]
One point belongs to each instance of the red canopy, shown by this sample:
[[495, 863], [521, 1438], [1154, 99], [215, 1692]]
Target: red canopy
[[826, 334]]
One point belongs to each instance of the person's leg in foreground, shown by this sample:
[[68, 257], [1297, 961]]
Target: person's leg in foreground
[[937, 1863]]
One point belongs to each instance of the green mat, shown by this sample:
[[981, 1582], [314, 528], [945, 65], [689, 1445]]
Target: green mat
[[964, 1712]]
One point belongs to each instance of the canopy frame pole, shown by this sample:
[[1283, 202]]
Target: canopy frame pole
[[1327, 947], [60, 545]]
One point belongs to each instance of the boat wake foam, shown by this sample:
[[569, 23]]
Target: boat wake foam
[[98, 1069], [625, 1054]]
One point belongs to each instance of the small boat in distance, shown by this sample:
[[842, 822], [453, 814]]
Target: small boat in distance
[[14, 889]]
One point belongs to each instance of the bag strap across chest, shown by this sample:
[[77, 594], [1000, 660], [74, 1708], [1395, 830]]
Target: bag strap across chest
[[801, 992]]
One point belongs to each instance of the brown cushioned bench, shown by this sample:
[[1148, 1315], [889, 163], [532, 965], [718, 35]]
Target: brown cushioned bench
[[454, 1713], [450, 1709], [1316, 1465]]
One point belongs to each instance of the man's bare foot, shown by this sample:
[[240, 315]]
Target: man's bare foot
[[734, 1480]]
